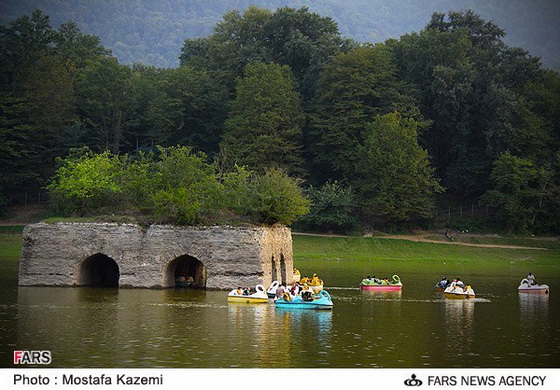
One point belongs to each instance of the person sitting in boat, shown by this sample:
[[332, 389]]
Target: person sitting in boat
[[315, 280], [531, 279], [443, 283], [295, 290], [246, 291], [307, 295], [459, 283], [374, 279], [304, 280], [239, 290], [281, 290]]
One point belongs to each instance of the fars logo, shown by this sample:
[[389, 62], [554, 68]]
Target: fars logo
[[32, 357], [412, 381]]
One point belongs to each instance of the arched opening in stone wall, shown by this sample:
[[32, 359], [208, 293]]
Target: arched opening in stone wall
[[274, 272], [283, 268], [185, 271], [99, 270]]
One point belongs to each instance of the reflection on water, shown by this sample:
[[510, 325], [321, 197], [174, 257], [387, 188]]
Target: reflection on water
[[533, 306], [382, 294], [533, 320], [459, 320]]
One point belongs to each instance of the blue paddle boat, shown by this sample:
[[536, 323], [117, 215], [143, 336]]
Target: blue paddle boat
[[321, 301]]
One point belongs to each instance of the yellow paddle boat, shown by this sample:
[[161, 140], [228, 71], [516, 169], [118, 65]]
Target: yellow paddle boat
[[457, 292], [316, 284], [239, 295]]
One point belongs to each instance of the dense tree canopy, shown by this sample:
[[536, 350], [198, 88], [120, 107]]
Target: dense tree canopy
[[271, 96], [295, 37]]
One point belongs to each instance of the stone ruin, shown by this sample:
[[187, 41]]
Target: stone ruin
[[128, 255]]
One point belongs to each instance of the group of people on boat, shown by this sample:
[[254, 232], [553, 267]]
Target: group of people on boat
[[244, 290], [444, 283], [314, 280], [376, 280], [288, 292]]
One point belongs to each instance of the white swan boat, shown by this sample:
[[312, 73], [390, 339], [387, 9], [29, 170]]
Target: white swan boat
[[238, 296], [527, 287]]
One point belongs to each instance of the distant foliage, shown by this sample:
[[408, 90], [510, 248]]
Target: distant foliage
[[298, 38], [333, 209], [519, 191], [148, 32]]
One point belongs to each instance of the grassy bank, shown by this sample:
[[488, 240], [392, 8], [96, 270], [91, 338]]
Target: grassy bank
[[548, 243], [10, 249], [364, 255]]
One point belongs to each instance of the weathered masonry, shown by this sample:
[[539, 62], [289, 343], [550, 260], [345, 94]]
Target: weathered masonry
[[126, 255]]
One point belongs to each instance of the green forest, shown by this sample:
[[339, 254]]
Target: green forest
[[276, 117]]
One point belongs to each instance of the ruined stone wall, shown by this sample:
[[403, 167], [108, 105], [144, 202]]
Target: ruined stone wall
[[54, 254]]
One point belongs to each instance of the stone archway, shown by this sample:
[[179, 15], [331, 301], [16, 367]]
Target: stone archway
[[99, 270], [185, 268]]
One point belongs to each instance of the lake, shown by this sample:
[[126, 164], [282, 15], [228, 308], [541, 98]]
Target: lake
[[96, 327]]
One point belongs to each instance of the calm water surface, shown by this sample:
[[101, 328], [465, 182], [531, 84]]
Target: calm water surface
[[94, 327]]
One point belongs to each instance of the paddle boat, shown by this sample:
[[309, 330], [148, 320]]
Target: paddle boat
[[457, 292], [527, 287], [315, 283], [184, 281], [321, 301], [297, 275], [237, 295], [394, 284], [271, 292]]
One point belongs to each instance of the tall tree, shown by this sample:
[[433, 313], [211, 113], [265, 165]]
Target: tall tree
[[352, 90], [264, 126], [106, 104], [397, 183], [21, 43]]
